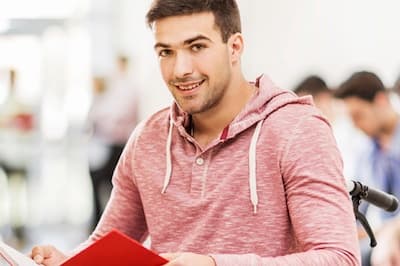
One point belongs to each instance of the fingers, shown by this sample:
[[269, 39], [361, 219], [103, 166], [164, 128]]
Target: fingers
[[40, 253], [187, 258], [169, 256]]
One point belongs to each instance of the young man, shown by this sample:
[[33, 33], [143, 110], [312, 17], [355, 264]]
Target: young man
[[369, 106], [234, 172]]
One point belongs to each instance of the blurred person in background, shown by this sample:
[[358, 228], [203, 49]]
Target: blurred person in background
[[222, 171], [322, 96], [17, 137], [112, 117], [17, 124], [368, 103]]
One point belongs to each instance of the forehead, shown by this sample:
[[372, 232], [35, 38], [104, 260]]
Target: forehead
[[176, 29], [357, 104]]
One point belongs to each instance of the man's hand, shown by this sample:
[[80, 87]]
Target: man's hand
[[187, 259], [47, 255]]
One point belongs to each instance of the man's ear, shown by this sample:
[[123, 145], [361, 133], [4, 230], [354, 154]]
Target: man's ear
[[381, 99], [235, 44]]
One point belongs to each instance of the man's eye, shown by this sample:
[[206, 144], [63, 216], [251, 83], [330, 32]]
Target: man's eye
[[197, 47], [164, 53]]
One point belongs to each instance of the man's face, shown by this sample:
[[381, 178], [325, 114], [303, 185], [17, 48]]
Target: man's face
[[365, 115], [194, 61]]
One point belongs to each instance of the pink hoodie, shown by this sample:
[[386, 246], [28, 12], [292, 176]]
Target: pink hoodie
[[269, 191]]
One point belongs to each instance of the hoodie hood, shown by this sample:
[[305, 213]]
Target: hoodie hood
[[267, 99]]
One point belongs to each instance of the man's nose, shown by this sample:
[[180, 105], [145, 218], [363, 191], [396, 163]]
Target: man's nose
[[183, 65]]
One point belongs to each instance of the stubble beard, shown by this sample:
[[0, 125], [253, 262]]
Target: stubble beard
[[210, 101]]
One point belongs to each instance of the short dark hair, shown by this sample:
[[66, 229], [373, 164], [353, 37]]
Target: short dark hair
[[312, 85], [226, 13], [364, 85]]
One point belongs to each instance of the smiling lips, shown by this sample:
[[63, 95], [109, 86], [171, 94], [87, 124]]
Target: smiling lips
[[188, 86]]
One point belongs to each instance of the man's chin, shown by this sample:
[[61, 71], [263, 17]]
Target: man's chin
[[192, 110]]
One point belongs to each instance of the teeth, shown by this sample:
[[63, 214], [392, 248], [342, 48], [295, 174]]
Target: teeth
[[190, 87]]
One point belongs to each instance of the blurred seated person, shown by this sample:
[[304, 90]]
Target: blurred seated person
[[371, 111], [16, 128], [316, 87], [112, 118], [17, 139]]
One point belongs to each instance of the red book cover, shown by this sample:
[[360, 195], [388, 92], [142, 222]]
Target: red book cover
[[115, 248]]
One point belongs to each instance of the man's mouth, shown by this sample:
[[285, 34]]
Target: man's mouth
[[188, 86]]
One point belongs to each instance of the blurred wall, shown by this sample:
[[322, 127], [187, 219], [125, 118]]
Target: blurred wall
[[288, 39]]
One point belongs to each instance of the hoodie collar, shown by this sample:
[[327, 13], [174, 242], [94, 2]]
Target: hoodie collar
[[267, 99]]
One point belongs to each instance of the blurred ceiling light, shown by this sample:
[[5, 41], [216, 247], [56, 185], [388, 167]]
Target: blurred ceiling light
[[4, 25]]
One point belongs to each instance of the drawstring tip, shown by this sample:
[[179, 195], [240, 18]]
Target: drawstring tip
[[255, 209], [163, 190]]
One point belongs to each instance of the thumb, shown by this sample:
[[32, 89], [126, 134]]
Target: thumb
[[39, 253], [169, 256]]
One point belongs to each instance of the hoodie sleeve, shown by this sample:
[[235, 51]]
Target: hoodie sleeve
[[319, 205]]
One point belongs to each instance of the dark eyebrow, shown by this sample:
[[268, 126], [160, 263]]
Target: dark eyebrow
[[186, 42], [196, 38], [161, 45]]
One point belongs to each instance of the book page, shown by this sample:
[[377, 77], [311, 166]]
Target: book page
[[11, 257]]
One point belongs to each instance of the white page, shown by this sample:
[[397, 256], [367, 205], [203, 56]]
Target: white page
[[10, 257]]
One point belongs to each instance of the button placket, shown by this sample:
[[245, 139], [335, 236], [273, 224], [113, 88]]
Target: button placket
[[197, 175]]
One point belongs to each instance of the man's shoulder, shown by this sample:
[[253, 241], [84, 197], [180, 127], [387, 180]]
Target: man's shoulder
[[294, 112], [161, 116], [155, 123]]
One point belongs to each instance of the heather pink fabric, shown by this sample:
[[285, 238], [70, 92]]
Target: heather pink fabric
[[304, 215]]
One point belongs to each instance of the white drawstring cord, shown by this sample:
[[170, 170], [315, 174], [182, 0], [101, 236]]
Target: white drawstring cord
[[168, 162], [252, 166]]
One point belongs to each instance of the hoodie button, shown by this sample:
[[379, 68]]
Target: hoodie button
[[199, 161]]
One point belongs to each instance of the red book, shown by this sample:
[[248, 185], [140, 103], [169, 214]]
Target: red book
[[115, 248]]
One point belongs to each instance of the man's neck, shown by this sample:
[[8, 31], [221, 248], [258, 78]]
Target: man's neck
[[208, 126]]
